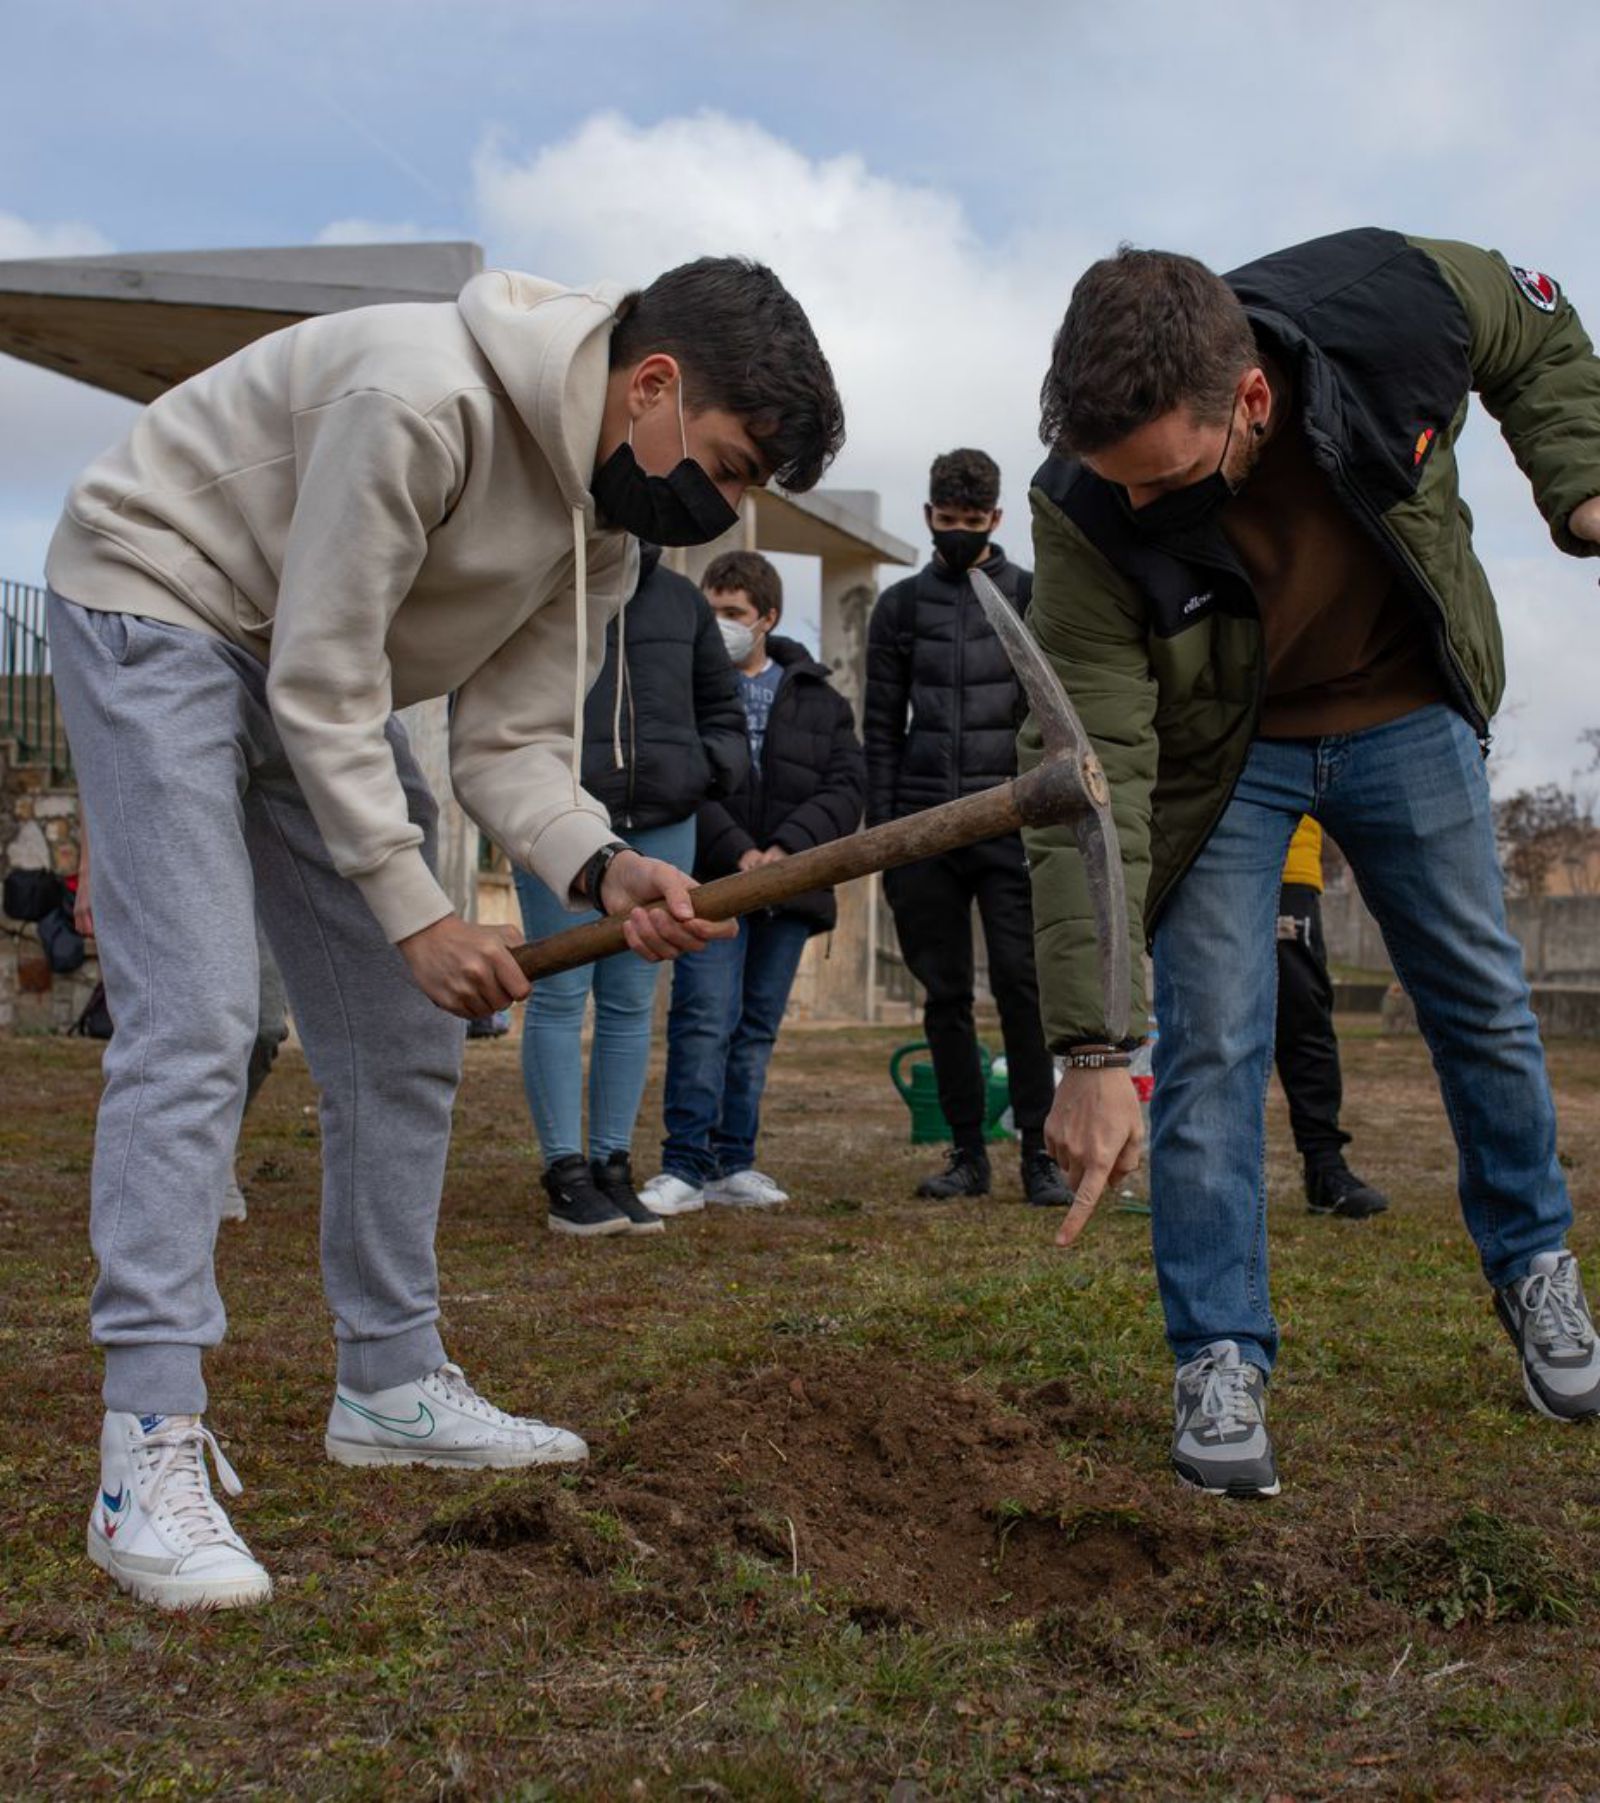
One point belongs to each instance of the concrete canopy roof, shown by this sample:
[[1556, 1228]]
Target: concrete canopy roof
[[136, 325], [827, 523]]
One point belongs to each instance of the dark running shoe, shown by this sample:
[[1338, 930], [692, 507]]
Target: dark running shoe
[[965, 1174], [1219, 1440], [1548, 1320], [1043, 1186], [1334, 1189], [577, 1204], [613, 1178]]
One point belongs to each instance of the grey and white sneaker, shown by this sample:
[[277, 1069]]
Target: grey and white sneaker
[[1548, 1320], [746, 1189], [1220, 1443]]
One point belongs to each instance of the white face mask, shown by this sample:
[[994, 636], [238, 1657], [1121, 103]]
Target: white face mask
[[739, 639]]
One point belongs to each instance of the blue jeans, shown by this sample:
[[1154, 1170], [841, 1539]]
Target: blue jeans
[[624, 996], [728, 1003], [1408, 803]]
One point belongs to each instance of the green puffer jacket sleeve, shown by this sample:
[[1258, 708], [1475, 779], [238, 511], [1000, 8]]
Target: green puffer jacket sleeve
[[1090, 624], [1536, 372]]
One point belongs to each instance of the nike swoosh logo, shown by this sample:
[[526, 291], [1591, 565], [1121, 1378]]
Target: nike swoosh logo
[[418, 1427]]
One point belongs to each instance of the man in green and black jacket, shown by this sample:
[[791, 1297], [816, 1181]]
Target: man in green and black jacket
[[1255, 576]]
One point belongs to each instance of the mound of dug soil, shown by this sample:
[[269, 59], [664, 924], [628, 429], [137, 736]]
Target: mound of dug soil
[[913, 1497]]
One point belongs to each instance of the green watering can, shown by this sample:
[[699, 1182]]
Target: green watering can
[[921, 1096]]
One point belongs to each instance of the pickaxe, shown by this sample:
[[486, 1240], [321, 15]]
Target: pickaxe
[[1067, 787]]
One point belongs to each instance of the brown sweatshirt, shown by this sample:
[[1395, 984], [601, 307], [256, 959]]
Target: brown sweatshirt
[[1345, 647]]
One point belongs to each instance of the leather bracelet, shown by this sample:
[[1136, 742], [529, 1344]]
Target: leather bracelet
[[593, 873], [1098, 1058]]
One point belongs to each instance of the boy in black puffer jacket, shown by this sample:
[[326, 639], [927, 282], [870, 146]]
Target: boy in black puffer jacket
[[805, 787], [662, 731], [942, 710]]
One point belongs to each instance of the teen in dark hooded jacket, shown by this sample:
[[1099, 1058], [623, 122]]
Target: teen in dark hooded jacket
[[806, 786], [663, 730]]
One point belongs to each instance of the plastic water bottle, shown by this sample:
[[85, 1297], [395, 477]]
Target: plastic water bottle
[[1142, 1071]]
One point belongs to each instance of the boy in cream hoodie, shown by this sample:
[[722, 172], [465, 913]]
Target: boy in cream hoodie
[[359, 512]]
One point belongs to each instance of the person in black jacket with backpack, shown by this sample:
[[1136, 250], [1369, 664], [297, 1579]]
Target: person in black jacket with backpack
[[804, 788], [663, 730], [942, 710]]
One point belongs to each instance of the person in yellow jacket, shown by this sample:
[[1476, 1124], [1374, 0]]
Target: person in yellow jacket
[[1307, 1051]]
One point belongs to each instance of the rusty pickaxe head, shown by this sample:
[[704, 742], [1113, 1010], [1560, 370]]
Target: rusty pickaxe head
[[1069, 788]]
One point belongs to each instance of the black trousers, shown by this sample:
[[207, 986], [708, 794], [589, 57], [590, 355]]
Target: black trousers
[[932, 904], [1307, 1051]]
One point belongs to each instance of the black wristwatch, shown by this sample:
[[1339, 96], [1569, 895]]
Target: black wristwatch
[[586, 885]]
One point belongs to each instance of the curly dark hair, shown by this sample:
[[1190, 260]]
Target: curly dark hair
[[745, 345], [750, 572], [965, 479], [1145, 331]]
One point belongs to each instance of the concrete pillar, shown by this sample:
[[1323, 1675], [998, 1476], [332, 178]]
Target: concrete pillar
[[427, 726], [842, 968]]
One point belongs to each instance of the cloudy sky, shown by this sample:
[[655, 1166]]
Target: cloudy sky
[[928, 178]]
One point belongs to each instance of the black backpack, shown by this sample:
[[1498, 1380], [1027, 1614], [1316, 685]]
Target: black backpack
[[95, 1020], [31, 894]]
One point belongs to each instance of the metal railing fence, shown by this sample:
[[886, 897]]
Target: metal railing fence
[[27, 693]]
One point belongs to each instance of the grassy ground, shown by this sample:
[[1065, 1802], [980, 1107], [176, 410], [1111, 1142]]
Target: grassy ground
[[878, 1504]]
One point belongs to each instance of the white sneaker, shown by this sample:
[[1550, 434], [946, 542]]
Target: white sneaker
[[746, 1189], [669, 1195], [233, 1205], [155, 1526], [440, 1420]]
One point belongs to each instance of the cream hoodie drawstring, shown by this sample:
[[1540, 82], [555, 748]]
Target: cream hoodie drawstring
[[580, 589], [622, 677], [580, 685]]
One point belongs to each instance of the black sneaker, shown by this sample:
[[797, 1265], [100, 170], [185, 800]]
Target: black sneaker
[[965, 1174], [1548, 1320], [577, 1203], [1334, 1189], [613, 1178], [1043, 1186]]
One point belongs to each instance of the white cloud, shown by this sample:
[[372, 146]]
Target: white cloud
[[940, 339], [936, 341], [372, 231], [20, 238]]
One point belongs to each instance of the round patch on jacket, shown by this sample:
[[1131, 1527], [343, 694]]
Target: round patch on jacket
[[1537, 287]]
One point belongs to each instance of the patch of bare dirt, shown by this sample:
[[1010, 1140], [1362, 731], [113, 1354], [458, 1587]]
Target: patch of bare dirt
[[915, 1498]]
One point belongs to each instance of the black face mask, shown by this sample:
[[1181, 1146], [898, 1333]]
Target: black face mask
[[1186, 509], [681, 508], [958, 547]]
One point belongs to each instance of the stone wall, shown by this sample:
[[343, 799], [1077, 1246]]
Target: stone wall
[[1560, 936], [38, 830]]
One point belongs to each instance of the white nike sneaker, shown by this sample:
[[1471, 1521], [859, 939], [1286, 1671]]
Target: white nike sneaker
[[669, 1195], [155, 1526], [233, 1203], [746, 1189], [440, 1420]]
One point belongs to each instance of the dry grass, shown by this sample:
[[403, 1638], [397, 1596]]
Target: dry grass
[[879, 1494]]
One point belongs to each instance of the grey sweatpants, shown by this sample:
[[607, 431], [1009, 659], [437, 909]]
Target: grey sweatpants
[[196, 818]]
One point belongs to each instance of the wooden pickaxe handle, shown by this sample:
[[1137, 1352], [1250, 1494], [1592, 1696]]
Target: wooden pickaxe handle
[[1060, 789]]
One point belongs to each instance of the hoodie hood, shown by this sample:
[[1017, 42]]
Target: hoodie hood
[[551, 348]]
